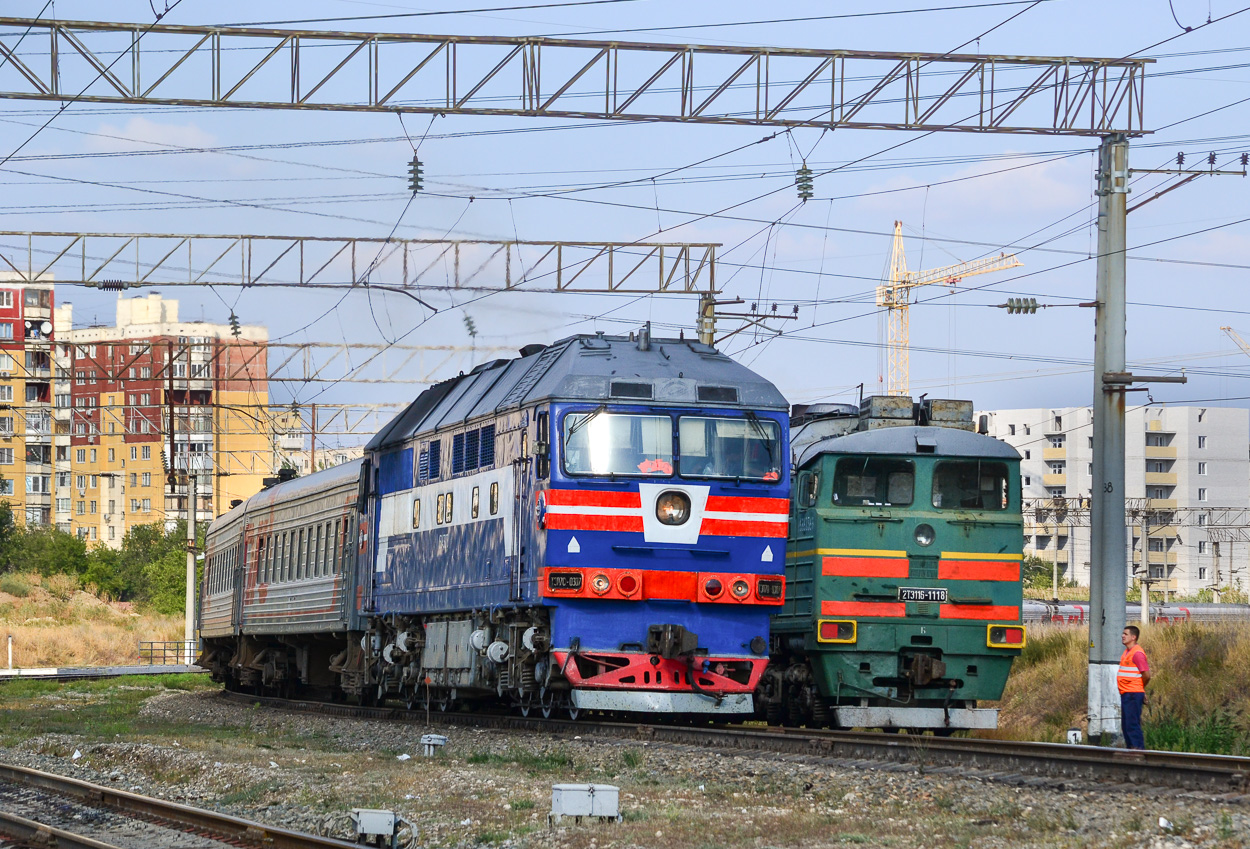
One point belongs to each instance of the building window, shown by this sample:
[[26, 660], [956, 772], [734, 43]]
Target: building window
[[81, 508], [1026, 430], [112, 456], [1011, 430], [6, 487], [1202, 546], [1157, 492], [134, 505], [1089, 469], [147, 505], [147, 478], [6, 424], [6, 393], [1056, 441], [1202, 468], [80, 455], [134, 478], [93, 507], [1057, 468], [1028, 455], [134, 453], [147, 452], [6, 300], [1202, 493], [6, 330], [1157, 545], [1202, 442], [1058, 422], [112, 532], [1027, 480], [93, 455], [1202, 519], [1055, 492], [1202, 573], [81, 481], [1091, 441], [62, 505]]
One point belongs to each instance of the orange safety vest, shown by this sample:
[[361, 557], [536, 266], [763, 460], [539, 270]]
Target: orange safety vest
[[1129, 679]]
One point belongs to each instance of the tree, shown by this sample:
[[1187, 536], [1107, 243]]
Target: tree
[[47, 551]]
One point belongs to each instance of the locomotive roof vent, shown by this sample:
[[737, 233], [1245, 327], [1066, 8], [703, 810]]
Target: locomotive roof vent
[[926, 443], [717, 394], [626, 389], [531, 349]]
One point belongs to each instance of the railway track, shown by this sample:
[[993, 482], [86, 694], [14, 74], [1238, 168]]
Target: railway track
[[42, 809], [1214, 776]]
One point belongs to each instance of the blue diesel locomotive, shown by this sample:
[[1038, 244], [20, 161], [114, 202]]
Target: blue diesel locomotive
[[599, 524]]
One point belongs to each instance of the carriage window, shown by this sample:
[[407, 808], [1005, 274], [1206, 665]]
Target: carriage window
[[873, 481], [438, 510], [299, 556], [260, 554], [447, 507], [327, 551], [745, 449], [338, 545], [811, 489], [599, 443], [315, 566], [474, 501], [282, 556], [416, 513], [970, 485], [494, 498]]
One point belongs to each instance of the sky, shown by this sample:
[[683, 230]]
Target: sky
[[959, 196]]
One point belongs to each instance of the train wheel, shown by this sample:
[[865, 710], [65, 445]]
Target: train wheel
[[443, 702], [572, 710], [525, 704], [772, 712], [547, 703]]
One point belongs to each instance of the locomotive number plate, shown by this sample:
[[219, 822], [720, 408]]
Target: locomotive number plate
[[922, 594], [567, 581]]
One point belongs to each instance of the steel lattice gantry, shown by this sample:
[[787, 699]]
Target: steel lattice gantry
[[566, 78], [124, 260]]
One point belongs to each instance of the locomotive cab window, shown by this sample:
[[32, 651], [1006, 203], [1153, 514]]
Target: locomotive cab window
[[970, 485], [873, 482], [742, 449], [602, 443]]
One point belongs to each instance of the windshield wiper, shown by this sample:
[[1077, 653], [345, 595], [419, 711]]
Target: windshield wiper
[[582, 423], [759, 428]]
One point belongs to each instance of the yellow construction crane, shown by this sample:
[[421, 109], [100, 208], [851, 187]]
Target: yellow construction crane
[[1241, 343], [895, 295]]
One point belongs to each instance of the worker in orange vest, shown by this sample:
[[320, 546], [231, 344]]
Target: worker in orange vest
[[1132, 679]]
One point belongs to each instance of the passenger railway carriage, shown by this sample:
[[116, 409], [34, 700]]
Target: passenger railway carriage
[[599, 524], [904, 593]]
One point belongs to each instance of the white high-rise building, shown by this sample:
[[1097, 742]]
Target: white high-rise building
[[1187, 469]]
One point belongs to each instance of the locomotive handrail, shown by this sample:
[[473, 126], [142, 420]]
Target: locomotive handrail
[[862, 520]]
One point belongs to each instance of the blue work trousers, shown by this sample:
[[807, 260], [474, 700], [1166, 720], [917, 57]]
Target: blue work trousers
[[1130, 720]]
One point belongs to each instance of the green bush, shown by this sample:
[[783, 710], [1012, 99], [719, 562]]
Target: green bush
[[14, 584]]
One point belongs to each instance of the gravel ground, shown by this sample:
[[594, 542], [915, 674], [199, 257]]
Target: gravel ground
[[493, 788]]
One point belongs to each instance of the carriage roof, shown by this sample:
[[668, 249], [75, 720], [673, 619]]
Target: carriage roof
[[914, 440]]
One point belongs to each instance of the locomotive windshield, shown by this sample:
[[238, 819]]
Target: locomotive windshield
[[873, 481], [602, 443], [970, 485], [743, 449]]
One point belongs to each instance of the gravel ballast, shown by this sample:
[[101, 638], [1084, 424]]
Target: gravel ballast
[[493, 788]]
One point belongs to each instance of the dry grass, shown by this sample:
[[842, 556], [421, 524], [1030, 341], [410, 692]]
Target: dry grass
[[57, 624], [1200, 671]]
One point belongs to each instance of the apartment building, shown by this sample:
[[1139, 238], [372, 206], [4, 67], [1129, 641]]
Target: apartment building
[[33, 450], [132, 379], [1187, 469]]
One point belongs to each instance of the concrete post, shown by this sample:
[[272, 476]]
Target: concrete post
[[1108, 581], [188, 646]]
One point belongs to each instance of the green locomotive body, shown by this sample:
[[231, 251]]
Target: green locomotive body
[[903, 570]]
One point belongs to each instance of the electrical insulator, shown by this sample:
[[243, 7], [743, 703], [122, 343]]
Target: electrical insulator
[[1211, 159], [112, 285], [234, 325], [414, 174], [1180, 160], [1021, 306], [803, 182], [1245, 159]]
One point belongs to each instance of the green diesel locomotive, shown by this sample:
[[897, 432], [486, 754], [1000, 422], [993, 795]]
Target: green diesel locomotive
[[903, 570]]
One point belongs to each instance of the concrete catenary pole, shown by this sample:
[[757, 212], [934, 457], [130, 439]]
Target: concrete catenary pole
[[188, 646], [1108, 583]]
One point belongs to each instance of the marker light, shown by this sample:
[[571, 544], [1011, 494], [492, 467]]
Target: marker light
[[713, 588], [1005, 636], [600, 583], [740, 589], [836, 631]]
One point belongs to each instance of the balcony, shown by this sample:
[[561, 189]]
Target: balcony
[[1160, 478], [1052, 453], [1160, 452], [1157, 558], [1055, 480], [1161, 503]]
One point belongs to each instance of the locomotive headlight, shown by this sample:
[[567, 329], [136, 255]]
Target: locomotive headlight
[[713, 587], [740, 589], [600, 583], [759, 645], [924, 534], [672, 508]]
